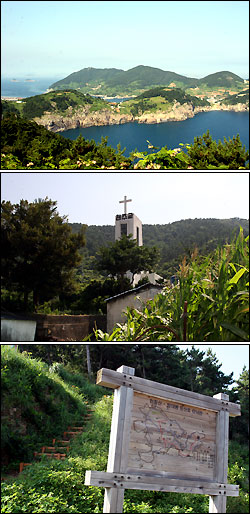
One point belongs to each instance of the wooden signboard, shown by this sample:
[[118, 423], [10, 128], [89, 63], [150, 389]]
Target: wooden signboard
[[164, 438]]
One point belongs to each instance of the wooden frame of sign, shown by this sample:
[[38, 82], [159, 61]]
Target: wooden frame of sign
[[164, 438]]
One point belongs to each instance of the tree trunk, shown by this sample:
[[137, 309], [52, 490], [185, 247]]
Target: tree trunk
[[89, 368]]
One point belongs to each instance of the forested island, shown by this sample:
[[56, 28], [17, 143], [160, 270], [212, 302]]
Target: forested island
[[72, 104], [67, 109]]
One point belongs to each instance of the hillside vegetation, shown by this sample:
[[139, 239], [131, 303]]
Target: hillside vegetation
[[119, 82], [57, 486], [174, 239], [242, 97], [160, 99], [50, 400], [53, 102]]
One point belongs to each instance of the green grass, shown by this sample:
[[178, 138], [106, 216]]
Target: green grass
[[58, 486], [47, 404]]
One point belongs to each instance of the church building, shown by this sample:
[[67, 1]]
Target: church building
[[126, 224], [129, 223]]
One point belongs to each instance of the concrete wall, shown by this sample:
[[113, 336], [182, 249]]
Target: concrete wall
[[17, 330], [67, 328], [116, 306]]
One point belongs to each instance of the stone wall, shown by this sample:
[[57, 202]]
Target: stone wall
[[67, 328]]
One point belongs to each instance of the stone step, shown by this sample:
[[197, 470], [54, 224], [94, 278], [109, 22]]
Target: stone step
[[55, 448], [71, 434], [53, 455], [22, 465], [76, 428]]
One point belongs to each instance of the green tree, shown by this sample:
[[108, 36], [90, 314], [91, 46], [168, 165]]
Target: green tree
[[204, 372], [240, 393], [39, 251], [125, 255]]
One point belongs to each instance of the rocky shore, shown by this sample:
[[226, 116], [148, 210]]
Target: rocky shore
[[83, 117]]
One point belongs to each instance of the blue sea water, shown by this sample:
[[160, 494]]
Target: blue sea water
[[135, 135], [22, 88]]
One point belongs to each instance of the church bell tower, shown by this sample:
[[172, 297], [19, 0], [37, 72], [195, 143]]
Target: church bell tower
[[128, 223]]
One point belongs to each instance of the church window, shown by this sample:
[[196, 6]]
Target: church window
[[123, 229]]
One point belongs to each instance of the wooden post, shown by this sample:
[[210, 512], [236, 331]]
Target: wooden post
[[141, 435], [218, 503], [119, 441]]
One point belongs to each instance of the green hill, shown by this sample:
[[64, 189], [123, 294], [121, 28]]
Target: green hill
[[174, 239], [223, 79], [119, 82], [135, 78], [145, 76], [54, 102], [87, 75], [160, 99]]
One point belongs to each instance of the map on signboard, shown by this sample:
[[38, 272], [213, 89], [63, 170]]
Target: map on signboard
[[171, 437]]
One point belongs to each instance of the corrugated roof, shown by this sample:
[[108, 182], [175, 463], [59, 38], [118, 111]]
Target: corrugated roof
[[5, 314], [143, 286]]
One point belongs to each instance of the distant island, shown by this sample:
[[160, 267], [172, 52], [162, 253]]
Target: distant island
[[179, 98]]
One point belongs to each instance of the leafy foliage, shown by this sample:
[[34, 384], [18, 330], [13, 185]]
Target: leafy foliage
[[125, 255], [209, 303], [40, 253], [207, 154]]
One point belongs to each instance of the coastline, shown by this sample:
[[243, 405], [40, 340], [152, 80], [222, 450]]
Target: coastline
[[83, 118]]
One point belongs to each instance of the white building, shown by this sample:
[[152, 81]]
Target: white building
[[126, 224]]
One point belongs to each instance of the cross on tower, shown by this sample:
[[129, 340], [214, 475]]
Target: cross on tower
[[125, 201]]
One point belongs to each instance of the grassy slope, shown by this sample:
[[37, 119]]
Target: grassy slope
[[160, 99], [46, 406], [57, 486], [55, 102]]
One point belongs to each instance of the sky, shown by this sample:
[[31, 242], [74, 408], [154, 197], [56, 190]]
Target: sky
[[56, 38], [157, 198]]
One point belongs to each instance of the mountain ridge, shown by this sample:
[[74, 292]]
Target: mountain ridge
[[141, 77], [174, 239]]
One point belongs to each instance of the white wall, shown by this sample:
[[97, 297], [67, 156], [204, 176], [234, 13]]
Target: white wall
[[116, 306], [13, 330], [132, 224]]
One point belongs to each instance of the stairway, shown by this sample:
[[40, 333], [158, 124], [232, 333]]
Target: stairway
[[60, 447]]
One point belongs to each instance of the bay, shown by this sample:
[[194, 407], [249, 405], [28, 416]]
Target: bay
[[135, 135]]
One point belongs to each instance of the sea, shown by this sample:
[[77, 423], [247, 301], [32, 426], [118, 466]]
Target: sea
[[133, 136], [171, 133], [22, 87]]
